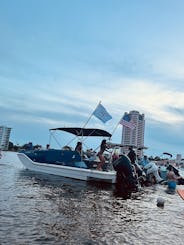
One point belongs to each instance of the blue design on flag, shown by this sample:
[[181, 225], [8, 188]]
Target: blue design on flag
[[127, 122], [101, 113]]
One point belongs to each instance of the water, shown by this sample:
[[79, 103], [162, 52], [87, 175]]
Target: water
[[42, 209]]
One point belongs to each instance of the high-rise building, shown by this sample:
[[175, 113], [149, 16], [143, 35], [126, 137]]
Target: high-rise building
[[4, 137], [134, 137]]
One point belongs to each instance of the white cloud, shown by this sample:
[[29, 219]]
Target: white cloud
[[118, 95]]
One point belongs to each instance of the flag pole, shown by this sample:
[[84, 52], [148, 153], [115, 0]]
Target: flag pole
[[115, 128], [91, 115]]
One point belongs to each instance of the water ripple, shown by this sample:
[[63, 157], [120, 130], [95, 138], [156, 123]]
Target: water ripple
[[41, 209]]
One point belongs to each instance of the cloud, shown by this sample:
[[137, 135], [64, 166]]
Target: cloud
[[78, 98], [151, 98]]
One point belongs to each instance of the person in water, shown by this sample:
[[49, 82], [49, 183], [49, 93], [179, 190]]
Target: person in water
[[144, 161], [172, 179], [126, 182], [132, 155], [152, 169], [103, 148]]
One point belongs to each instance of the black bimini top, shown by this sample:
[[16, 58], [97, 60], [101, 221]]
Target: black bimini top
[[85, 131]]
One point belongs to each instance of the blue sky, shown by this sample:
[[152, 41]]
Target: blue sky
[[59, 58]]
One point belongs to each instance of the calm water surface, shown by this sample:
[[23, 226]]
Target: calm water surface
[[44, 209]]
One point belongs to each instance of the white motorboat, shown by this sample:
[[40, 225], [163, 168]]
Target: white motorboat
[[67, 162]]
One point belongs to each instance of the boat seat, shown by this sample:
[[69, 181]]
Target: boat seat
[[52, 156], [64, 157]]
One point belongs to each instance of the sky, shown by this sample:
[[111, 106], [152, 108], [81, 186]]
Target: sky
[[59, 58]]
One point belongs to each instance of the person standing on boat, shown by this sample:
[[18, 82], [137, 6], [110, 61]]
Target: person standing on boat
[[103, 147]]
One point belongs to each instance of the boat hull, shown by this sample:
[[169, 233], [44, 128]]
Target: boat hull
[[67, 171]]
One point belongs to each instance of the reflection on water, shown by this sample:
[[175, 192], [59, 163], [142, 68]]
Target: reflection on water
[[44, 209]]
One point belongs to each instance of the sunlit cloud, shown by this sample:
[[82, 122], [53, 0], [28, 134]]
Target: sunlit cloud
[[120, 95]]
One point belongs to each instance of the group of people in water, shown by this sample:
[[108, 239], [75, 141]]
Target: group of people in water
[[131, 171]]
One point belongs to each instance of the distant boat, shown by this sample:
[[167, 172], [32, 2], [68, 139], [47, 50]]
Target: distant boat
[[67, 162]]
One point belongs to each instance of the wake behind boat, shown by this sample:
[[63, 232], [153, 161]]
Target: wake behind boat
[[67, 162]]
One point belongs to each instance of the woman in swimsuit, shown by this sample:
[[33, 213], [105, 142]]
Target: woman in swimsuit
[[103, 147]]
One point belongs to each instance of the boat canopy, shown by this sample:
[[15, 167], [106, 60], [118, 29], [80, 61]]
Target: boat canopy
[[85, 131], [166, 153]]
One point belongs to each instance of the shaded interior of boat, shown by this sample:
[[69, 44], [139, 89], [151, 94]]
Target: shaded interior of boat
[[61, 157]]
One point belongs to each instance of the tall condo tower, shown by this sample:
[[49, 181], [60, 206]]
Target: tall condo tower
[[134, 137], [4, 137]]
